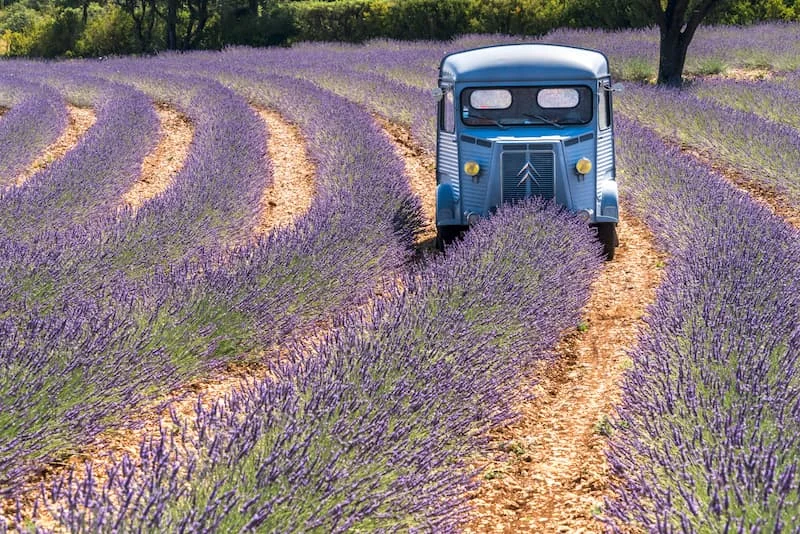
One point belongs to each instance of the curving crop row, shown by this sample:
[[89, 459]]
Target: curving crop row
[[374, 430], [36, 118], [89, 180], [770, 100], [757, 146], [123, 337], [706, 438]]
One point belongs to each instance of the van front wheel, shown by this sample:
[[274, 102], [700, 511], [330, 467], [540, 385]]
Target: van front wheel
[[607, 235], [446, 235]]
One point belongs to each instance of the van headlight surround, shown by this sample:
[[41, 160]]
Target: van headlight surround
[[583, 166], [472, 168]]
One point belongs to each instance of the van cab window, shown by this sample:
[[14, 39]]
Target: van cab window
[[526, 106], [447, 119]]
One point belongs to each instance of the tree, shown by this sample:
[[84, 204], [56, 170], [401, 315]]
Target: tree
[[678, 20]]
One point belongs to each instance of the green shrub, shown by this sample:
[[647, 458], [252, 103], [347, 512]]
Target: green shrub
[[516, 17], [273, 26], [345, 20], [428, 19], [109, 32]]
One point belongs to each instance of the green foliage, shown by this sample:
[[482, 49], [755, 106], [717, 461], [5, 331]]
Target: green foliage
[[18, 18], [345, 20], [48, 34], [274, 25], [749, 11], [610, 14], [517, 17], [50, 28], [108, 32], [427, 19]]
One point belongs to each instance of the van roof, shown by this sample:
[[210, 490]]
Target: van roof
[[524, 62]]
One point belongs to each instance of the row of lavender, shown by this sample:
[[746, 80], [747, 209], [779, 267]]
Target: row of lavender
[[706, 438], [709, 118], [127, 305], [37, 115], [719, 452], [373, 431]]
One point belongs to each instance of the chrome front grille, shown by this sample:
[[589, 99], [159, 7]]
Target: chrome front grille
[[528, 171]]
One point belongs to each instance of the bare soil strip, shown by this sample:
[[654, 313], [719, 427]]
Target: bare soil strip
[[772, 200], [166, 159], [293, 174], [420, 169], [547, 472], [80, 120]]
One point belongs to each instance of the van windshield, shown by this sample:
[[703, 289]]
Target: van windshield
[[526, 106]]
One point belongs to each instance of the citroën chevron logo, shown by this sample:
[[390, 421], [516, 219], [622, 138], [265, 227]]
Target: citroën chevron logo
[[528, 172]]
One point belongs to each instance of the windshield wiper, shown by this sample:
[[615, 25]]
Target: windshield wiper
[[493, 121], [543, 119]]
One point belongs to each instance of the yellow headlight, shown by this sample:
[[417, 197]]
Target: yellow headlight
[[472, 168], [583, 166]]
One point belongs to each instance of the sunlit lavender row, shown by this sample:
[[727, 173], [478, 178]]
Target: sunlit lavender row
[[36, 118], [747, 142], [766, 98], [707, 434], [168, 324], [89, 181], [373, 430]]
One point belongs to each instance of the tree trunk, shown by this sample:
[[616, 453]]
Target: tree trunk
[[672, 57], [678, 21], [172, 22]]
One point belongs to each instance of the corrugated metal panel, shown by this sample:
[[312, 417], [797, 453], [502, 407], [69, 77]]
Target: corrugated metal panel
[[527, 170], [582, 192], [605, 153], [474, 191], [448, 159]]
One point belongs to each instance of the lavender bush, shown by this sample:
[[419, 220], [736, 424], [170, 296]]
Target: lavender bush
[[744, 140], [706, 437], [36, 118], [768, 99], [215, 305], [89, 181], [370, 432]]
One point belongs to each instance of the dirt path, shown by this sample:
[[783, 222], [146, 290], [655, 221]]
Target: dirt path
[[548, 472], [80, 120], [293, 174], [420, 169], [165, 160]]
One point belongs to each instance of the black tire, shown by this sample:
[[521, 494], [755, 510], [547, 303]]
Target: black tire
[[446, 235], [607, 235]]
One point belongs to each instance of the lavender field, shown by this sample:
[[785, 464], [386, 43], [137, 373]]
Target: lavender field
[[387, 365]]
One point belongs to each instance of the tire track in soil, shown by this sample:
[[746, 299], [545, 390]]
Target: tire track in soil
[[160, 166], [547, 472], [79, 121], [114, 443]]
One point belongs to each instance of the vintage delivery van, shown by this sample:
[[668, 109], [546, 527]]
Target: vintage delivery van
[[523, 120]]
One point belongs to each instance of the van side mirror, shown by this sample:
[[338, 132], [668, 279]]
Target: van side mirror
[[437, 93], [617, 88]]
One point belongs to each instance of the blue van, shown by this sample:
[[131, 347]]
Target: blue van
[[523, 120]]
